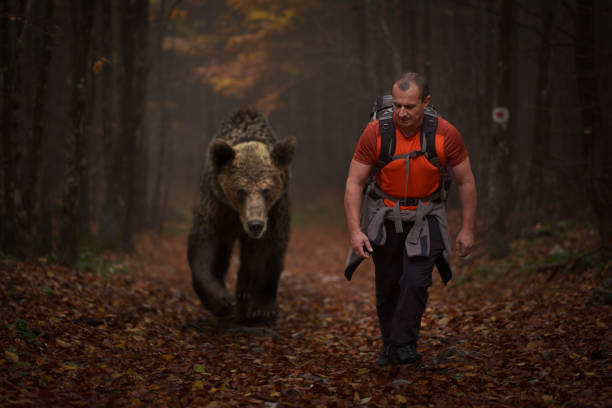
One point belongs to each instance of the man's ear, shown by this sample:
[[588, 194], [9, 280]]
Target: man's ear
[[282, 152], [220, 153]]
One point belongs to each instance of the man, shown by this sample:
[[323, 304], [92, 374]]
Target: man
[[404, 228]]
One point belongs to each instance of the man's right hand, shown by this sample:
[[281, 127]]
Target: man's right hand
[[361, 244]]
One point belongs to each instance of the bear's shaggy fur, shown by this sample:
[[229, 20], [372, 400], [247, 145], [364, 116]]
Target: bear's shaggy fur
[[244, 197]]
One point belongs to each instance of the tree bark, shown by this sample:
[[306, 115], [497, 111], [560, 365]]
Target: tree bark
[[427, 29], [598, 169], [541, 181], [43, 46], [486, 95], [161, 89], [118, 218], [500, 178], [83, 209], [141, 66], [365, 15], [107, 73], [81, 19], [11, 38], [408, 35]]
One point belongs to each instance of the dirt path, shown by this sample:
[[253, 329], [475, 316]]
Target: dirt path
[[499, 335]]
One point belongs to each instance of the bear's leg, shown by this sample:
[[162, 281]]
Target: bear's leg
[[209, 261], [258, 276]]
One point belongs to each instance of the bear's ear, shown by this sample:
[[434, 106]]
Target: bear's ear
[[220, 153], [282, 152]]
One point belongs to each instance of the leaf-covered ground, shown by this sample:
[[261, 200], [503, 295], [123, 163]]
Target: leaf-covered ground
[[124, 331]]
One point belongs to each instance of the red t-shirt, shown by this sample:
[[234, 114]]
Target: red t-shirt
[[453, 150]]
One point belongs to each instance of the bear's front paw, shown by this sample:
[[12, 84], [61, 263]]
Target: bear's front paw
[[262, 312], [243, 296], [220, 306]]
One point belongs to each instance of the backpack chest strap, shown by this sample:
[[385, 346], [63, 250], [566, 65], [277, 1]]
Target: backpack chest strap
[[407, 157]]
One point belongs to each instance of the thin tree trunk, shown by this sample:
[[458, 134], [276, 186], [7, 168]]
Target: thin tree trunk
[[389, 38], [427, 29], [408, 35], [82, 18], [43, 46], [11, 38], [106, 30], [141, 61], [486, 92], [127, 127], [8, 215], [540, 185], [159, 197], [83, 210], [366, 38], [598, 169], [118, 219], [500, 181], [44, 225]]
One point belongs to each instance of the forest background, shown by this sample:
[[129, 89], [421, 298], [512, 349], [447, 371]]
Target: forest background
[[108, 106]]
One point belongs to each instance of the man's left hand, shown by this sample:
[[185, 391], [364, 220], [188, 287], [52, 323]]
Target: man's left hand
[[464, 242]]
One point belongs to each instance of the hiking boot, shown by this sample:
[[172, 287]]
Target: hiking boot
[[384, 357], [405, 354]]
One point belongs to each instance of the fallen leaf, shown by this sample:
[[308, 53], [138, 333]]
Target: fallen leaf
[[62, 343], [197, 385], [11, 356], [400, 399]]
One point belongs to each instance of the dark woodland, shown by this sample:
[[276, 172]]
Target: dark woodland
[[107, 109]]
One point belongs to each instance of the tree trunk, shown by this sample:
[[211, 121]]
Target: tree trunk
[[159, 197], [83, 209], [367, 40], [141, 66], [487, 91], [127, 126], [427, 29], [42, 46], [541, 183], [82, 19], [11, 39], [117, 225], [500, 178], [598, 169], [163, 135], [107, 85], [389, 38], [408, 35]]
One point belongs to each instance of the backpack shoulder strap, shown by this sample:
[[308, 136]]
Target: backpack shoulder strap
[[428, 133], [387, 140]]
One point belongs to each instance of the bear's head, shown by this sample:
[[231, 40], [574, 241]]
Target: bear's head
[[252, 177]]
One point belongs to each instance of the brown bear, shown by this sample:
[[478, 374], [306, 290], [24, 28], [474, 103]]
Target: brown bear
[[244, 197]]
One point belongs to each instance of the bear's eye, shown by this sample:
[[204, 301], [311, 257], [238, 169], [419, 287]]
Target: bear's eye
[[266, 193], [241, 194]]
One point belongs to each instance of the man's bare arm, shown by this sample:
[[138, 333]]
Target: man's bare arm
[[468, 196], [355, 182]]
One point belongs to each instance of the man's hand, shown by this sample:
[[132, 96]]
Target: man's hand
[[357, 177], [464, 242], [468, 196], [359, 241]]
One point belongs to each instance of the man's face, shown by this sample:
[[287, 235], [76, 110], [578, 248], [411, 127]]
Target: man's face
[[408, 108]]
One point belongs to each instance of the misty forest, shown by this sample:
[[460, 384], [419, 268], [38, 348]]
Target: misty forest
[[107, 111]]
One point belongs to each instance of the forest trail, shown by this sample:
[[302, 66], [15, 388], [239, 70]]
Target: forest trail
[[512, 333]]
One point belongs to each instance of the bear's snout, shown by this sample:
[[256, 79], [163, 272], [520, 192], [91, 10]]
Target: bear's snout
[[255, 215], [256, 227]]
